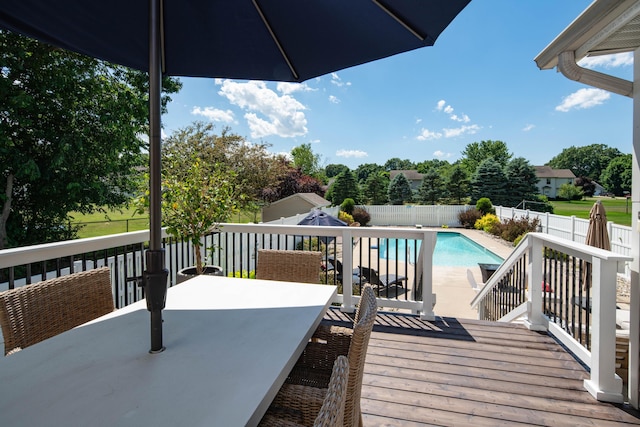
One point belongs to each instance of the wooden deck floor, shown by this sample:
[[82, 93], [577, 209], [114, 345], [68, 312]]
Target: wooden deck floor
[[474, 373]]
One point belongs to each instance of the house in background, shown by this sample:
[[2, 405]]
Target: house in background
[[550, 180], [295, 204], [415, 178]]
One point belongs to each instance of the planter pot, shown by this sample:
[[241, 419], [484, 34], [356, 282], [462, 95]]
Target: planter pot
[[189, 272]]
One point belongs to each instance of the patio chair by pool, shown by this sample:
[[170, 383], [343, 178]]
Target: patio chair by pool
[[311, 369], [297, 405], [33, 313], [383, 280], [472, 281], [289, 266], [337, 266]]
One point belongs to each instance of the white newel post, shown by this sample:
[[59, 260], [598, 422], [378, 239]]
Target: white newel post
[[604, 384], [347, 267], [535, 317], [428, 297]]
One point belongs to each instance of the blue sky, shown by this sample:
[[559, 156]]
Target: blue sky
[[479, 82]]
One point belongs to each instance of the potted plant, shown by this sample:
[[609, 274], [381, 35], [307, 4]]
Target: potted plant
[[196, 198]]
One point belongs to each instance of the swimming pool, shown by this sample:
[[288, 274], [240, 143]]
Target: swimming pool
[[452, 250]]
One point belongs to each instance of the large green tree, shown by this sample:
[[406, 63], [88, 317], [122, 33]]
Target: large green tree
[[476, 152], [400, 190], [334, 169], [365, 170], [308, 161], [616, 178], [396, 164], [345, 186], [375, 189], [432, 189], [457, 183], [590, 160], [489, 181], [70, 140], [521, 181]]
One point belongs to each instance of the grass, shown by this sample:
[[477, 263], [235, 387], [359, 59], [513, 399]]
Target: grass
[[124, 220], [618, 209]]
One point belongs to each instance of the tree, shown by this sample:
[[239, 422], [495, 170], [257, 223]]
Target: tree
[[590, 160], [432, 188], [345, 186], [616, 178], [457, 183], [436, 164], [334, 170], [291, 182], [570, 192], [308, 162], [586, 184], [376, 188], [69, 133], [476, 152], [399, 190], [251, 166], [521, 181], [489, 181], [365, 170], [396, 164]]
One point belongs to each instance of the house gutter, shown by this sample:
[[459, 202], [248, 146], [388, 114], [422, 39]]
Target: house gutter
[[570, 69]]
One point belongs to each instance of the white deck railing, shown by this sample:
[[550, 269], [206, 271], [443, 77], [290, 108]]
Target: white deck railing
[[603, 384]]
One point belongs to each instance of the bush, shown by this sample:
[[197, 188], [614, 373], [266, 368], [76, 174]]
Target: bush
[[485, 206], [361, 215], [345, 217], [487, 223], [243, 274], [312, 244], [347, 205], [511, 229], [469, 217]]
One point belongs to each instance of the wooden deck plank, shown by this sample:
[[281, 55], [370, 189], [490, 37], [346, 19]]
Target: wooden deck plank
[[454, 372]]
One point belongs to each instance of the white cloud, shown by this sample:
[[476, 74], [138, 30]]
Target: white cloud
[[448, 109], [527, 128], [267, 113], [336, 80], [441, 154], [462, 130], [334, 99], [289, 88], [426, 134], [418, 121], [351, 153], [608, 61], [440, 105], [213, 114], [582, 99]]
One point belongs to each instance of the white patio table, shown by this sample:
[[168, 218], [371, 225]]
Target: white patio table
[[230, 344]]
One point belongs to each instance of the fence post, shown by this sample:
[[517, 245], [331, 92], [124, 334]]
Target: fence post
[[604, 384], [428, 298]]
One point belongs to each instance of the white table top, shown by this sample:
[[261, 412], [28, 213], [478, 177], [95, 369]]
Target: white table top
[[230, 345]]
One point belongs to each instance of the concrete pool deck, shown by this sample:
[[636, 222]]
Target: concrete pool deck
[[450, 284]]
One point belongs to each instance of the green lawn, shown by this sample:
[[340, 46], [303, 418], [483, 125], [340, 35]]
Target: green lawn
[[115, 221], [618, 209]]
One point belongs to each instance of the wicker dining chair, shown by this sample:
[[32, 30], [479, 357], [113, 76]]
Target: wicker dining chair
[[289, 266], [311, 369], [33, 313], [297, 405]]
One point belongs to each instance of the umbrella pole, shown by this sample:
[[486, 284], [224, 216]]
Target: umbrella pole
[[155, 277]]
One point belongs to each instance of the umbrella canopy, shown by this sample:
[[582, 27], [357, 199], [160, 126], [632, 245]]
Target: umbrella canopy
[[318, 217], [597, 234], [278, 40]]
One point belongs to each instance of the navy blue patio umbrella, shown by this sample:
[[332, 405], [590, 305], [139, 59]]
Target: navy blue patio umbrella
[[318, 217], [276, 40]]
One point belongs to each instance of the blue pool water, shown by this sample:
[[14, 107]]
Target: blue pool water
[[452, 250]]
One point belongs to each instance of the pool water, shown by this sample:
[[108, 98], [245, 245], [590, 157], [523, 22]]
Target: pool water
[[452, 250]]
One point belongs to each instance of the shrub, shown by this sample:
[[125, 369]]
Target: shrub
[[511, 229], [345, 217], [361, 215], [243, 274], [347, 205], [487, 223], [469, 217], [312, 244], [485, 206]]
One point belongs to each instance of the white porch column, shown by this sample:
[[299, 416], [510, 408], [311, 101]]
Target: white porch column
[[426, 273], [347, 267], [634, 315]]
